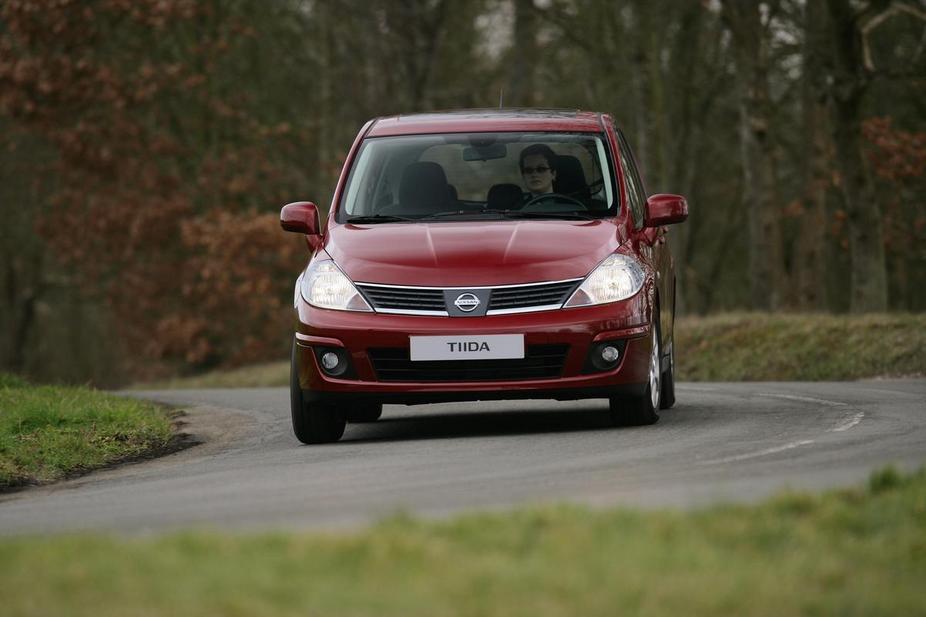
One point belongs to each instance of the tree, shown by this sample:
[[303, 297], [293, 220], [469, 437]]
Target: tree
[[147, 146], [150, 132], [523, 67], [809, 261], [851, 74], [750, 25]]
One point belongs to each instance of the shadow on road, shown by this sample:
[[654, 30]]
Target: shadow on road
[[461, 425]]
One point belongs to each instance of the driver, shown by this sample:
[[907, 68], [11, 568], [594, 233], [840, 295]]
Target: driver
[[537, 169]]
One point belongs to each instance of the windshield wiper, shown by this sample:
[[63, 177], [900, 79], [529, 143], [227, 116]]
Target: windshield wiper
[[377, 218], [513, 214], [438, 215], [577, 216]]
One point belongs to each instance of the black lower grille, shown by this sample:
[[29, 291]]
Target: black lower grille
[[541, 362]]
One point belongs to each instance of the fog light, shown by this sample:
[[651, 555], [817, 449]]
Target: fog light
[[334, 362], [330, 360], [604, 356], [610, 354]]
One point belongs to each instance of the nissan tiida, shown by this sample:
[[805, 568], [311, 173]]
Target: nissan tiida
[[479, 255]]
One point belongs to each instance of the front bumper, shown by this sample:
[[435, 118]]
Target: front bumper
[[578, 329]]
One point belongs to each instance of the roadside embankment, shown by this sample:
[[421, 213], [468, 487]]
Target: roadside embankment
[[51, 432], [800, 347]]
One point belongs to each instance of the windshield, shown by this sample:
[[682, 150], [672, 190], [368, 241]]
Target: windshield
[[479, 175]]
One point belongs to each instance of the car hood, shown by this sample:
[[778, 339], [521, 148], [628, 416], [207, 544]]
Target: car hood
[[478, 253]]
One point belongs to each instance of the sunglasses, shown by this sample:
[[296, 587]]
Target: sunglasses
[[534, 170]]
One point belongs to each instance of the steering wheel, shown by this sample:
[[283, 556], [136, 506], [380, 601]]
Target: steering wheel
[[539, 199]]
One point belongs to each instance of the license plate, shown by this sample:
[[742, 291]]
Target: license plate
[[467, 347]]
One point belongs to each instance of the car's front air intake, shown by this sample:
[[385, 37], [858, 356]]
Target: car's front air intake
[[540, 362], [503, 298], [530, 296], [418, 299]]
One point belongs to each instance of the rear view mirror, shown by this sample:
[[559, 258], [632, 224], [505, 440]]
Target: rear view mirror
[[665, 209], [485, 152], [300, 217]]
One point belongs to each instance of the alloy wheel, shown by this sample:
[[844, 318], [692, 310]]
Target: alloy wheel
[[655, 372]]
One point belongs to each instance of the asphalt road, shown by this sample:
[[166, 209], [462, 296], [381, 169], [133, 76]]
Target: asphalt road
[[722, 442]]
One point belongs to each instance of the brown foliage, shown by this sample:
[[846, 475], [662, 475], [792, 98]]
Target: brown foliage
[[894, 154], [898, 159], [242, 277], [171, 222]]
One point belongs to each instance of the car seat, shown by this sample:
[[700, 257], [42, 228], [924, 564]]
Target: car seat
[[570, 179], [423, 189], [504, 197]]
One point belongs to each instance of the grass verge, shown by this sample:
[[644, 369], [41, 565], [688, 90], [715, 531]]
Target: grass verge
[[728, 347], [855, 552], [50, 432], [788, 347]]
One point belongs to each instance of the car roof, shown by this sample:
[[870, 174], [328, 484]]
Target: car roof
[[488, 120]]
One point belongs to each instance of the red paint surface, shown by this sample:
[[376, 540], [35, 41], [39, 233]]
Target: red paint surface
[[301, 217], [665, 209], [474, 253], [490, 252]]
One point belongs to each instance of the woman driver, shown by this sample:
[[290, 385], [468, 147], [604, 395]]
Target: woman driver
[[537, 169]]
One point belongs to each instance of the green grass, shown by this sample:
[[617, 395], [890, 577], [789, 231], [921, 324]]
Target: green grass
[[49, 432], [787, 347], [855, 552], [729, 347]]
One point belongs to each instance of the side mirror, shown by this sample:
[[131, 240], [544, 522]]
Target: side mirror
[[301, 217], [665, 209]]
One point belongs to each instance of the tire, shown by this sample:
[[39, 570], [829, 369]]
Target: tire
[[312, 422], [641, 410], [365, 412], [667, 400]]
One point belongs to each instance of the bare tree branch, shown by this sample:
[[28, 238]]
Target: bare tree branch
[[870, 21]]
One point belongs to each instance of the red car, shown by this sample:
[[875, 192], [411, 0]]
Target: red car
[[478, 255]]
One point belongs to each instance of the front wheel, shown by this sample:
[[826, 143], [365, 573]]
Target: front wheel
[[312, 422], [641, 410]]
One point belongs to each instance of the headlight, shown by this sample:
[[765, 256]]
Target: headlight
[[325, 286], [616, 278]]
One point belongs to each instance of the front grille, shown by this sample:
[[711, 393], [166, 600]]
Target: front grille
[[503, 299], [540, 362], [526, 296], [404, 298]]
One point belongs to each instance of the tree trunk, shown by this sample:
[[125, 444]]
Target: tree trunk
[[809, 262], [750, 42], [640, 62], [692, 106], [416, 28], [866, 245], [523, 67], [22, 275]]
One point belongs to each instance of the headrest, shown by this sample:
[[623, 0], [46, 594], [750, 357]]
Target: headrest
[[424, 187], [504, 197]]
